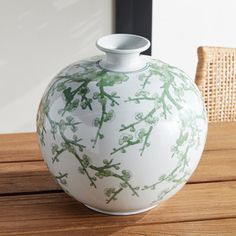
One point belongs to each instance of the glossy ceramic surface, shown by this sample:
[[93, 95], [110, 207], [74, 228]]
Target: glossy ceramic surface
[[121, 142]]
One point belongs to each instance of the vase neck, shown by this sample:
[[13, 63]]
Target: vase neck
[[123, 52], [122, 62]]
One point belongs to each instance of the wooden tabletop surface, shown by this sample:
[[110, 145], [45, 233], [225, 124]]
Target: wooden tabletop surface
[[31, 203]]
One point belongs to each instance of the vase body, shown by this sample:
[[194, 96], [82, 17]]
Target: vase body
[[120, 142]]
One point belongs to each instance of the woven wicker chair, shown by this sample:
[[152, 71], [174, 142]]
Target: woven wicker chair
[[216, 79]]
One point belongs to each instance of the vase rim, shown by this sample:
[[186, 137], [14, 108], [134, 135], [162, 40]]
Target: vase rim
[[123, 43]]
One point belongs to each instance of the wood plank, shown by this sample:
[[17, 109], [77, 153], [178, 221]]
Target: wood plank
[[28, 184], [221, 135], [48, 212], [25, 177], [16, 169], [218, 165], [226, 227], [34, 176], [19, 147]]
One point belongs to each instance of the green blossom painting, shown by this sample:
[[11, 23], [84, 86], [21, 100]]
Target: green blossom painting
[[122, 113]]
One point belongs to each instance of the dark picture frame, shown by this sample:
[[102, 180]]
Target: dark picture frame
[[134, 17]]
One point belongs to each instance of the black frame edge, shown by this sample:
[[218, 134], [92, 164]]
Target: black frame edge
[[134, 17]]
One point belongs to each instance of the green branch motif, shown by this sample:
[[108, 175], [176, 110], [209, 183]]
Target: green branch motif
[[106, 100], [108, 169], [62, 178], [127, 140], [188, 139], [81, 96], [136, 133], [43, 112], [171, 97], [124, 177], [112, 193], [145, 79], [102, 97]]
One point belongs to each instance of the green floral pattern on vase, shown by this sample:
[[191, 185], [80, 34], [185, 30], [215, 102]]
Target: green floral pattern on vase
[[104, 97], [163, 104], [189, 137], [81, 97]]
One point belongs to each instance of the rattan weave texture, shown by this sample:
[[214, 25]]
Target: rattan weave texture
[[216, 79]]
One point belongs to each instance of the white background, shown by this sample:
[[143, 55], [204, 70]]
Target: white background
[[37, 39], [180, 26]]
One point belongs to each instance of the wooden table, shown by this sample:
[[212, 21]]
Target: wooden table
[[31, 203]]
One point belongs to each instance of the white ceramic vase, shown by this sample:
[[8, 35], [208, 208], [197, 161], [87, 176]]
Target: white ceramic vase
[[121, 132]]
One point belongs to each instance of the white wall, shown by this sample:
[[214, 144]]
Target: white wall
[[180, 26], [37, 39]]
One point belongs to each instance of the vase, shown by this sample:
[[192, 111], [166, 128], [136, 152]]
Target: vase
[[121, 132]]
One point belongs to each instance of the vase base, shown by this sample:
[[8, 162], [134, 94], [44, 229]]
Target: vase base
[[120, 213]]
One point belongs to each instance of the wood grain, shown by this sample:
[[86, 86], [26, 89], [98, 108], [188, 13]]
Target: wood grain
[[47, 212], [217, 165], [21, 177], [19, 147], [221, 227], [221, 135]]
